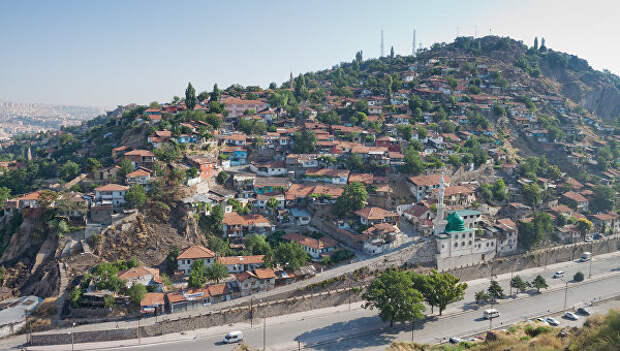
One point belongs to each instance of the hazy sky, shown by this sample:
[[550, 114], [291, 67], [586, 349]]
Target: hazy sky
[[105, 53]]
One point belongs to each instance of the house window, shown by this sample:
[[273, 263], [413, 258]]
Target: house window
[[456, 244]]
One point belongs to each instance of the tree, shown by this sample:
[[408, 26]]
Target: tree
[[136, 196], [445, 289], [354, 197], [305, 141], [482, 297], [190, 97], [392, 293], [258, 245], [222, 177], [69, 170], [392, 52], [533, 232], [137, 293], [216, 271], [603, 199], [499, 190], [291, 255], [413, 162], [126, 167], [197, 274], [76, 295], [531, 194], [94, 164], [272, 204], [358, 56], [535, 43], [215, 94], [584, 226], [5, 194], [539, 283], [517, 283], [495, 291], [542, 45], [578, 277], [213, 222]]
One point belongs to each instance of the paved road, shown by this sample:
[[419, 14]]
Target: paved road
[[320, 329]]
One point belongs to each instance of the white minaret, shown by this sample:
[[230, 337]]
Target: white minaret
[[440, 223]]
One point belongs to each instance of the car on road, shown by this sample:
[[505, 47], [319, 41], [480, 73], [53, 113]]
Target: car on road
[[233, 337], [558, 274], [541, 320], [455, 340], [491, 313], [554, 322], [588, 239], [584, 311], [571, 316], [586, 256]]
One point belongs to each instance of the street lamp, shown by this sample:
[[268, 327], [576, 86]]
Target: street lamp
[[71, 333], [565, 292]]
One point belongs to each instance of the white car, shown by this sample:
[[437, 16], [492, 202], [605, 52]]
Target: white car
[[455, 340], [233, 337], [554, 322], [541, 320], [558, 274], [571, 316]]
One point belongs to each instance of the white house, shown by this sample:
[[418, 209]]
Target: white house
[[268, 169], [237, 264], [193, 253], [113, 194], [314, 247]]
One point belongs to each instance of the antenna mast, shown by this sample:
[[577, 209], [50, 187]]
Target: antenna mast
[[381, 42], [413, 46]]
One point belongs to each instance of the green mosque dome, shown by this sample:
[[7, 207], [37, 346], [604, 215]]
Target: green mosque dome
[[455, 223]]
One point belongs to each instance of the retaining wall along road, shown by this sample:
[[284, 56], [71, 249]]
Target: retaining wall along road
[[231, 315]]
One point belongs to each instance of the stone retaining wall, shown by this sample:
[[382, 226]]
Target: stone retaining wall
[[231, 315]]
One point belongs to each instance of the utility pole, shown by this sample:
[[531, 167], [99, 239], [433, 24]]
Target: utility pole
[[251, 313], [138, 331], [264, 333], [71, 332], [591, 255], [565, 293]]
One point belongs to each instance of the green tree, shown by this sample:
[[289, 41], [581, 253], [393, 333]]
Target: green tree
[[531, 194], [445, 289], [94, 164], [197, 274], [76, 295], [213, 222], [291, 255], [533, 232], [392, 52], [136, 196], [126, 168], [354, 197], [5, 194], [584, 226], [393, 295], [578, 277], [216, 272], [216, 93], [499, 190], [539, 283], [535, 43], [517, 283], [222, 177], [258, 245], [482, 297], [69, 170], [305, 141], [495, 291], [413, 162], [190, 97], [603, 199], [136, 293]]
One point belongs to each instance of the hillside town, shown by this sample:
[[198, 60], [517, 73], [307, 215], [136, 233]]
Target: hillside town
[[461, 154]]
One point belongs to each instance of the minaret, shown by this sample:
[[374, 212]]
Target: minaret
[[29, 154], [440, 222]]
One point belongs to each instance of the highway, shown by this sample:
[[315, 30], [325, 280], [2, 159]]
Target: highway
[[353, 328]]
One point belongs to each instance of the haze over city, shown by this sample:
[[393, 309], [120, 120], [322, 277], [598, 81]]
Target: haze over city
[[115, 52]]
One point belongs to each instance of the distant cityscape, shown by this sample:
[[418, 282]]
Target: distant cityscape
[[20, 118]]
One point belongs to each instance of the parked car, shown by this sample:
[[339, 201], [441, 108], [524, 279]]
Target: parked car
[[554, 322], [584, 311], [455, 340], [588, 239], [558, 274], [541, 320], [571, 316], [232, 337]]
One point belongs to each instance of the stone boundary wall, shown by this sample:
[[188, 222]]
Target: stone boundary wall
[[536, 258], [236, 314]]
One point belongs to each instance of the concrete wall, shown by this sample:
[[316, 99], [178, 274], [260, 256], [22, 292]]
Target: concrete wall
[[536, 258], [231, 315]]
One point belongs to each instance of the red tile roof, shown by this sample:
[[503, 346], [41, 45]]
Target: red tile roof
[[230, 260], [322, 243], [373, 213], [112, 187], [429, 180], [194, 252]]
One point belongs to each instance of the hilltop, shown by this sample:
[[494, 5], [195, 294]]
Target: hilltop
[[349, 159]]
